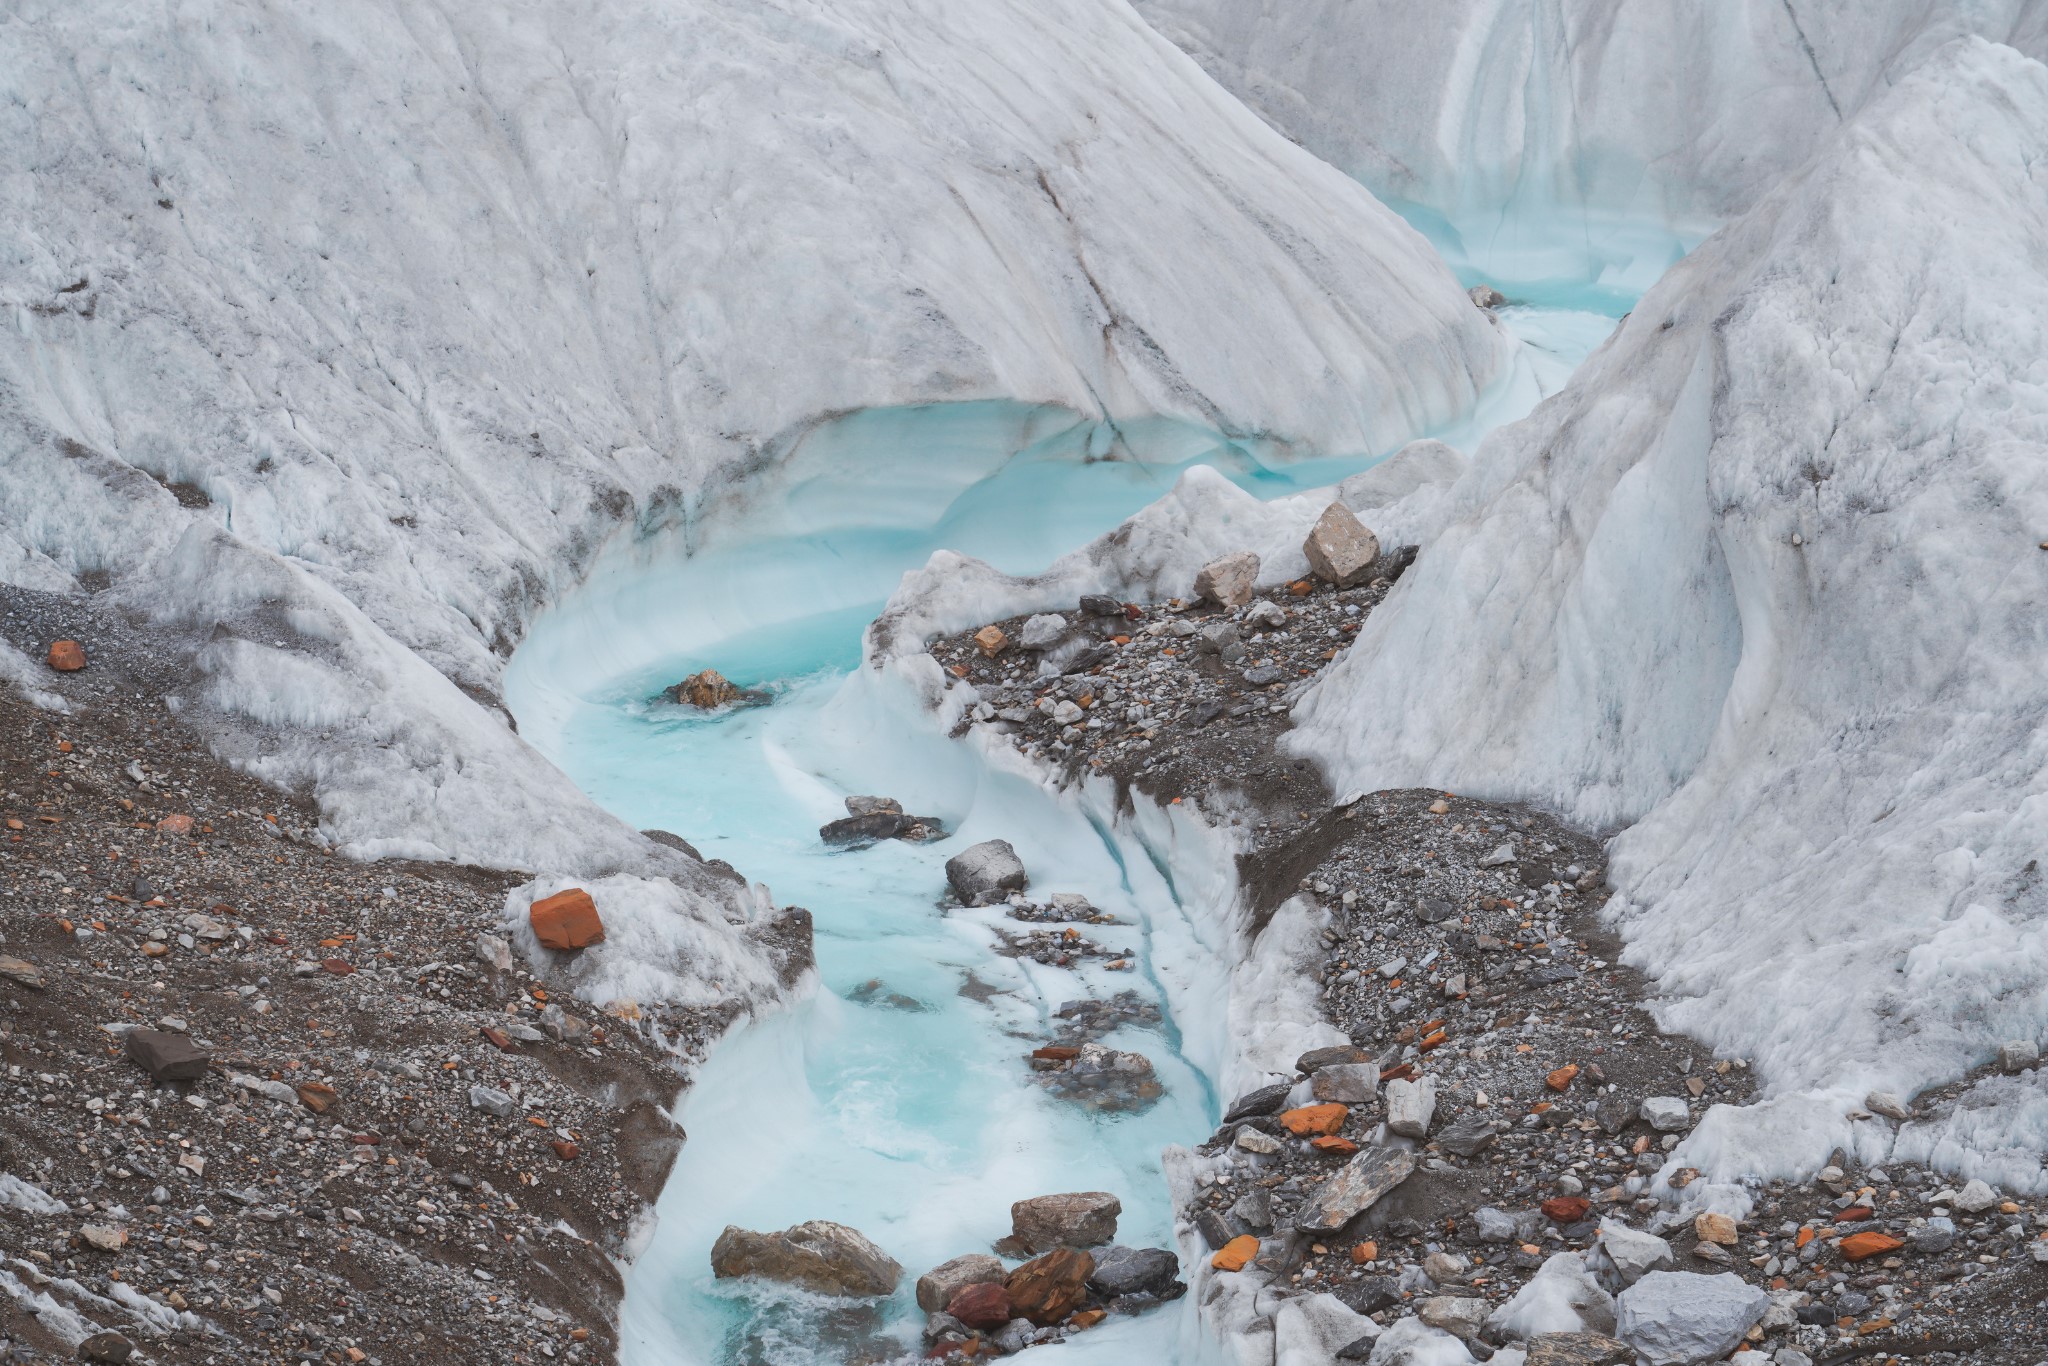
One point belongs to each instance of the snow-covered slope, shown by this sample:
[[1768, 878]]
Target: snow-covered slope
[[425, 302], [1507, 107], [1766, 581]]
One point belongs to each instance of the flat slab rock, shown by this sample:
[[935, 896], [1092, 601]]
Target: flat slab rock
[[828, 1258], [1354, 1189], [1578, 1349], [1075, 1219]]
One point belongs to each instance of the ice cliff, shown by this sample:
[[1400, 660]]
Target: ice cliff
[[1764, 585], [344, 337], [1509, 108]]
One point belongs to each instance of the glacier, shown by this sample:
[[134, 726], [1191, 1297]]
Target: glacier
[[344, 340]]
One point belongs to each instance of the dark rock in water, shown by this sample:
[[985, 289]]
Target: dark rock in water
[[1467, 1136], [1434, 910], [859, 831], [166, 1056], [1266, 1100], [1336, 1056], [1214, 1229], [709, 690], [1367, 1296], [986, 873], [874, 992], [1133, 1271], [1105, 1079], [670, 841]]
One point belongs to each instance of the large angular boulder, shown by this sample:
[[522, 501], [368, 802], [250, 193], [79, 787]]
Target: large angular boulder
[[986, 873], [567, 920], [1354, 1189], [1134, 1271], [1625, 1255], [937, 1287], [1410, 1106], [1076, 1219], [1047, 1289], [1229, 581], [166, 1056], [1679, 1318], [828, 1258], [981, 1306], [1340, 549]]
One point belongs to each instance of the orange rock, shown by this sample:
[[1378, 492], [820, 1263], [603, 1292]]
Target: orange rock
[[1056, 1052], [175, 825], [1046, 1289], [1710, 1227], [1855, 1214], [1563, 1077], [1236, 1254], [1565, 1209], [1802, 1238], [1361, 1253], [991, 640], [566, 920], [67, 656], [340, 967], [1301, 588], [566, 1150], [1087, 1318], [498, 1040], [1315, 1119], [1335, 1146], [317, 1096], [1870, 1243]]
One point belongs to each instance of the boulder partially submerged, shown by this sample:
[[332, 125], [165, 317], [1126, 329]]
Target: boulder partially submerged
[[818, 1255]]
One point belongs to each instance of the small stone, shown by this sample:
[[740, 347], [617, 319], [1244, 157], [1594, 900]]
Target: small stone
[[20, 973], [1494, 1225], [1562, 1078], [1254, 1210], [986, 873], [1236, 1254], [1633, 1253], [105, 1237], [1340, 549], [166, 1056], [1229, 581], [2017, 1055], [1489, 298], [981, 1306], [1253, 1104], [1976, 1197], [1254, 1141], [1886, 1104], [566, 921], [1859, 1247], [492, 1101], [936, 1288], [1354, 1188], [1048, 1288], [68, 657], [1938, 1234], [1077, 1219], [1710, 1227], [1459, 1315], [110, 1348], [1665, 1114], [1316, 1059], [565, 1150], [991, 641], [1309, 1120], [1410, 1106], [317, 1096], [494, 953], [180, 824], [1043, 631], [1352, 1083], [1565, 1210], [1467, 1136], [1501, 857]]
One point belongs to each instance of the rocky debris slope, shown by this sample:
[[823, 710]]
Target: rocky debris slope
[[261, 1102], [349, 442], [1764, 581], [1487, 1159]]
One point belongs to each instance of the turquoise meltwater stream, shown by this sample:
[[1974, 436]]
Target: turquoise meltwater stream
[[897, 1099]]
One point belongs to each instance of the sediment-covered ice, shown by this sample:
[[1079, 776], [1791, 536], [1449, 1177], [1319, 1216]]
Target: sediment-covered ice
[[1764, 584], [344, 337], [1498, 113]]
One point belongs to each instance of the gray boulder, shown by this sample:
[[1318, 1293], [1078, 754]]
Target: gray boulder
[[1339, 548], [1354, 1189], [823, 1257], [1228, 582], [1680, 1318], [1625, 1255], [986, 873], [1352, 1083], [1043, 631], [1077, 1219], [936, 1288], [1134, 1271]]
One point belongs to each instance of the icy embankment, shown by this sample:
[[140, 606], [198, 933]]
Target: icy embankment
[[1765, 582], [1500, 114], [345, 339]]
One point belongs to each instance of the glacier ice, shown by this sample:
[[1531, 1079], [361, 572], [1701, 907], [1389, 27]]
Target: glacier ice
[[1531, 119], [1763, 585], [346, 338]]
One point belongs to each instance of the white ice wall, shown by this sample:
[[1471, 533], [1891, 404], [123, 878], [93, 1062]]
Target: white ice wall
[[1766, 581], [430, 300], [1685, 108]]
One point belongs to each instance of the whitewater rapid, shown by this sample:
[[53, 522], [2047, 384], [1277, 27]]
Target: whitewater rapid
[[895, 1097]]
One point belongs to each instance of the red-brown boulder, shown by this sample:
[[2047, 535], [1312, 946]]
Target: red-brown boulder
[[1047, 1289], [566, 920], [67, 656], [981, 1306]]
